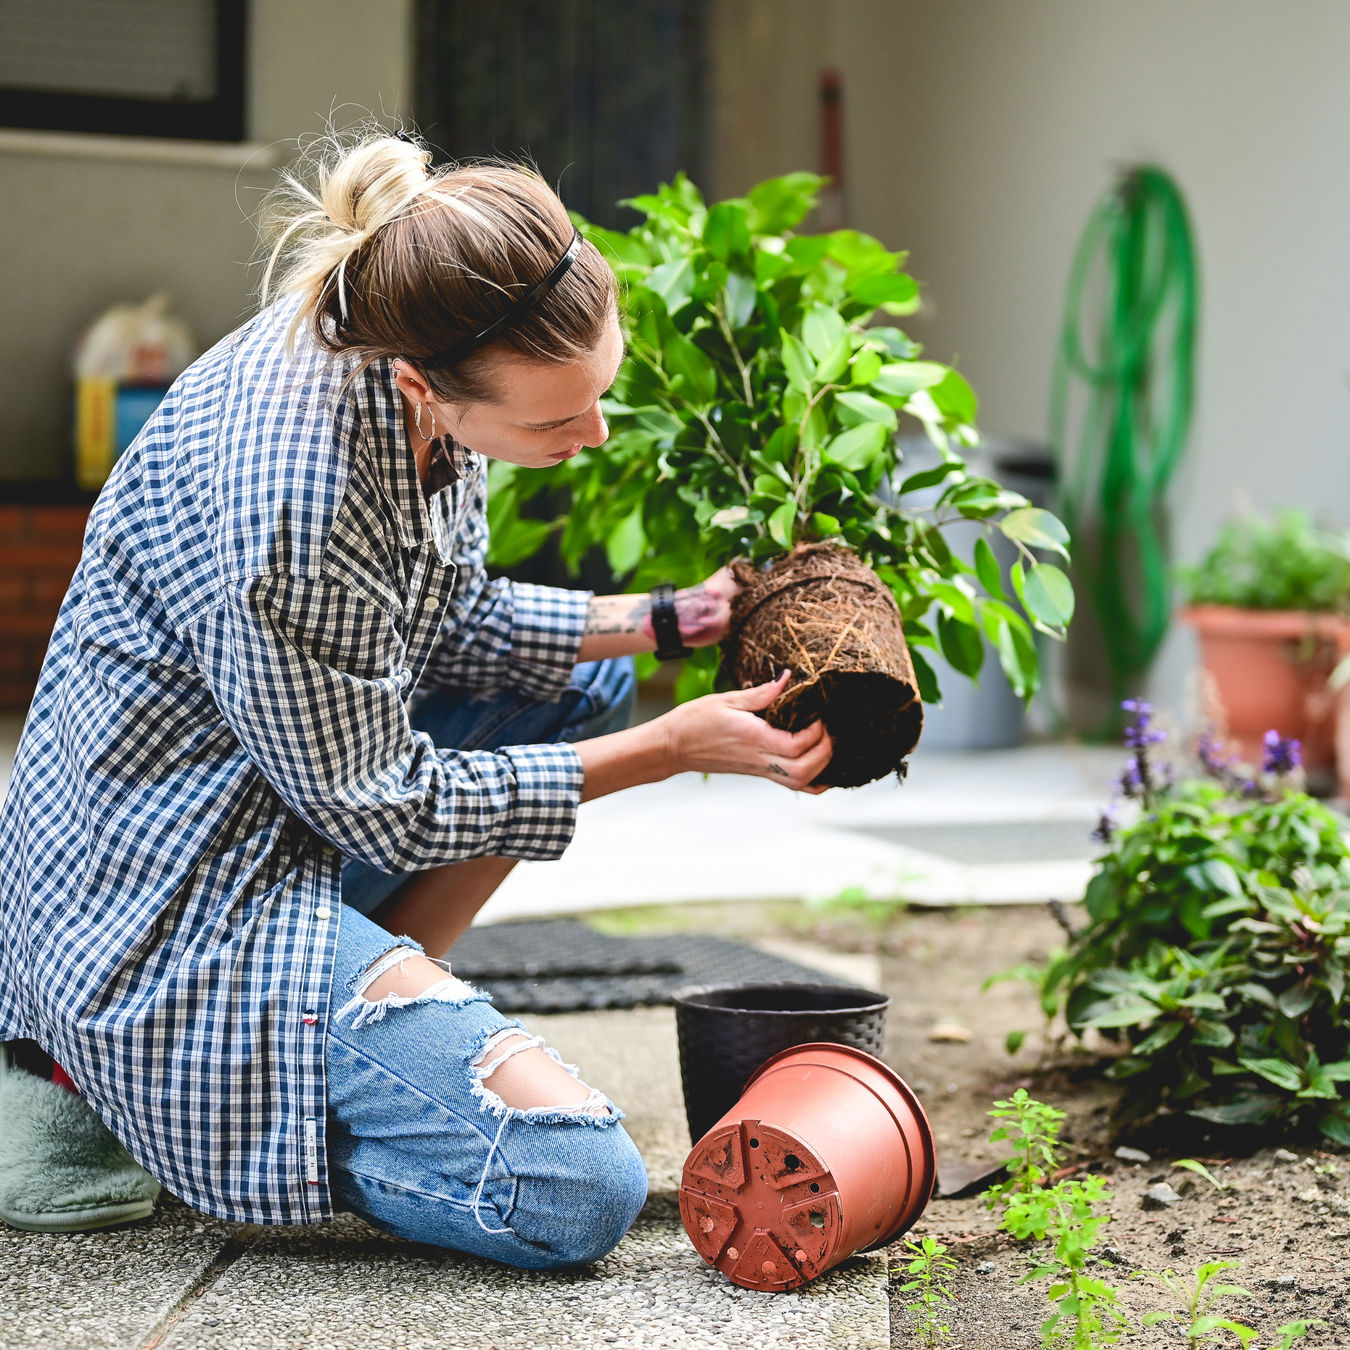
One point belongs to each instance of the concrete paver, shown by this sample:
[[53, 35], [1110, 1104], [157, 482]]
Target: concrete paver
[[348, 1286], [114, 1287]]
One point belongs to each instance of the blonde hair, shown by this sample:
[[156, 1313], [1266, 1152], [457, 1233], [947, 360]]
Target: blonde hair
[[392, 257]]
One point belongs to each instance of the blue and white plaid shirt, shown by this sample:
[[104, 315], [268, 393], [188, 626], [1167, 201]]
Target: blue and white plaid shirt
[[222, 715]]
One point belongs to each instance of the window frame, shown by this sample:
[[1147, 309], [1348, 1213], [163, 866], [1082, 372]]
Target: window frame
[[219, 119]]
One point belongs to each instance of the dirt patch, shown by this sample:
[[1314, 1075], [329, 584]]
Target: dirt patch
[[1287, 1225]]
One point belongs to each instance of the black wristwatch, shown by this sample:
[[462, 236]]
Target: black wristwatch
[[665, 624]]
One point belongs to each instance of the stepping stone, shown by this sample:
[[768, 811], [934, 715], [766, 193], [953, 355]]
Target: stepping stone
[[347, 1285]]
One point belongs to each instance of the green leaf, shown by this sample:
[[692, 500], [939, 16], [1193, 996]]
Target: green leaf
[[519, 540], [824, 526], [898, 289], [900, 379], [1048, 595], [626, 545], [770, 485], [955, 398], [726, 233], [797, 362], [741, 296], [929, 692], [835, 362], [864, 408], [673, 282], [1014, 1041], [962, 644], [1276, 1070], [987, 569], [1296, 1001], [1335, 1125], [781, 523], [930, 477], [682, 358], [1129, 1016], [1254, 1109], [779, 203], [822, 329], [857, 447], [1036, 528], [1164, 1034]]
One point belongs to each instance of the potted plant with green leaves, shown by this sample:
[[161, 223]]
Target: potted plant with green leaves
[[754, 419], [1269, 603]]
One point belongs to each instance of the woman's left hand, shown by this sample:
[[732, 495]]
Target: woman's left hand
[[704, 611]]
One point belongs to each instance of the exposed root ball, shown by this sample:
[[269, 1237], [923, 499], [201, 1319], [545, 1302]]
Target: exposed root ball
[[833, 623]]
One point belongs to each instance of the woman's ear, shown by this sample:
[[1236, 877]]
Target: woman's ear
[[412, 384]]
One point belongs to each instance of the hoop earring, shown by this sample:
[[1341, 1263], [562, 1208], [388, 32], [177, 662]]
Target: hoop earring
[[417, 419], [431, 412]]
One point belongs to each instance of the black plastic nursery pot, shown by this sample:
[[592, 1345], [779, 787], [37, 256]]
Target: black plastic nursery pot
[[727, 1031]]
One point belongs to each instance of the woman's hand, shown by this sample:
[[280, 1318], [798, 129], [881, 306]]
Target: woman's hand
[[720, 733]]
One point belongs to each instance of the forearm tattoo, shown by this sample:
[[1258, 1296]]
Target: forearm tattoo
[[701, 613], [779, 770]]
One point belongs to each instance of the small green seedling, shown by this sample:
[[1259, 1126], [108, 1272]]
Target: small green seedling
[[1033, 1128], [929, 1269], [1201, 1170], [1086, 1313], [1195, 1302]]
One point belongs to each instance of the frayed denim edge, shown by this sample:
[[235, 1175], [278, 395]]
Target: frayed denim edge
[[451, 990], [490, 1103]]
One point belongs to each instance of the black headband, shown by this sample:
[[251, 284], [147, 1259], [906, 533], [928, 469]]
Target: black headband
[[517, 311]]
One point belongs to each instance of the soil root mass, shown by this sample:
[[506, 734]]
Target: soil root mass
[[832, 621]]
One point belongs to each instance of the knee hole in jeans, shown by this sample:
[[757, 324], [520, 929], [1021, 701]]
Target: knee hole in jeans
[[530, 1076]]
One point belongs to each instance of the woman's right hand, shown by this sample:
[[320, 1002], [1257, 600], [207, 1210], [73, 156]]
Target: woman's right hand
[[720, 733]]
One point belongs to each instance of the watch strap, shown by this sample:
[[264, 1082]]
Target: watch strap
[[666, 625]]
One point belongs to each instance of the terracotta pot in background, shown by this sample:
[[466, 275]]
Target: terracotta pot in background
[[1269, 669], [827, 1153]]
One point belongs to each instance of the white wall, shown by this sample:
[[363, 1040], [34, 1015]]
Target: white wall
[[981, 132], [78, 234]]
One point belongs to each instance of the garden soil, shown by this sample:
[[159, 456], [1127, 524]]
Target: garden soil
[[1286, 1225], [831, 621]]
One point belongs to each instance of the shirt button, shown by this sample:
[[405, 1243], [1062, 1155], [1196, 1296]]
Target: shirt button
[[323, 912], [329, 851], [431, 602]]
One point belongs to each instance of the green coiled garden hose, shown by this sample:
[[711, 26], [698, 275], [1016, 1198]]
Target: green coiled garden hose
[[1134, 284]]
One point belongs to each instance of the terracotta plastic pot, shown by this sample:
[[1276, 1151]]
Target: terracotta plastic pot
[[1268, 670], [726, 1031], [827, 1153]]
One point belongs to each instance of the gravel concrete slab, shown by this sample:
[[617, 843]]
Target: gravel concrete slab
[[114, 1287], [347, 1286]]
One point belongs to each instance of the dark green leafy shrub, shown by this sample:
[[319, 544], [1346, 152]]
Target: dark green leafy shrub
[[756, 409], [1216, 948], [1282, 564]]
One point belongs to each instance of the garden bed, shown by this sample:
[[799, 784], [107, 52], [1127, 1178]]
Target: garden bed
[[1294, 1255]]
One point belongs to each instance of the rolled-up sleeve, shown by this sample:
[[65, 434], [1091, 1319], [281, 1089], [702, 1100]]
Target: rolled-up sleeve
[[312, 681], [502, 634]]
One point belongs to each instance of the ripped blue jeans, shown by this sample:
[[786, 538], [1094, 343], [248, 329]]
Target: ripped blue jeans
[[420, 1145]]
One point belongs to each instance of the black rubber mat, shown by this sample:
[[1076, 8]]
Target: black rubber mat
[[562, 966]]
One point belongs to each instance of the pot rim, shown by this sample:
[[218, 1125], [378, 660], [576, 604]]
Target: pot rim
[[904, 1223], [687, 997]]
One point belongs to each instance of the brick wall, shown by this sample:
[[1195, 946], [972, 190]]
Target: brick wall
[[39, 549]]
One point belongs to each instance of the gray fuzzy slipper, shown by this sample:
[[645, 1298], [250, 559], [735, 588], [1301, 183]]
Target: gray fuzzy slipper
[[61, 1170]]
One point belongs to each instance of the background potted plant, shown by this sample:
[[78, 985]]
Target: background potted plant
[[1269, 604], [755, 418]]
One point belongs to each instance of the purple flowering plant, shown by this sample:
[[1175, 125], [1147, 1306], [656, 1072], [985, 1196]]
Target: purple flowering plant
[[1217, 940]]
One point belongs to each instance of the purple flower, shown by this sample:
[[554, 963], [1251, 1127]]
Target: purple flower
[[1282, 754], [1138, 734], [1131, 782], [1213, 756]]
